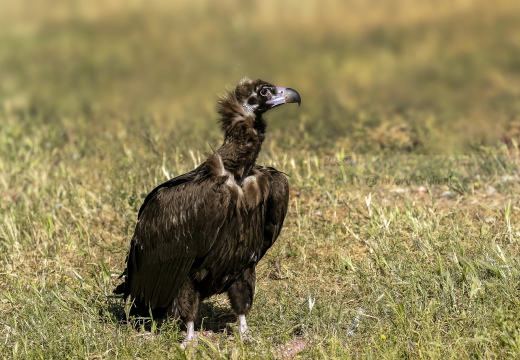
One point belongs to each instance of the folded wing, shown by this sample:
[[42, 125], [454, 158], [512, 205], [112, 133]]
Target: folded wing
[[178, 224]]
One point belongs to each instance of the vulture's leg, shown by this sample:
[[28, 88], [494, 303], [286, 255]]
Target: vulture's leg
[[186, 306], [241, 294], [242, 325], [190, 334]]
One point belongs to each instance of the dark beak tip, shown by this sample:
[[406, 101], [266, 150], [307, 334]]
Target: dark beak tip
[[294, 96]]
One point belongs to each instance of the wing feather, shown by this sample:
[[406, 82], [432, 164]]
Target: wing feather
[[277, 204], [177, 224]]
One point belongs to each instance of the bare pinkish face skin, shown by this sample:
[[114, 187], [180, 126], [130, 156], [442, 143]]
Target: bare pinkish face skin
[[284, 96]]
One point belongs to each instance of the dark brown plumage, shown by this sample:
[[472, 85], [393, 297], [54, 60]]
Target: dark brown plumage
[[203, 232]]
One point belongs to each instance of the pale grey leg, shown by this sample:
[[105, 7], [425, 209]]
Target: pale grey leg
[[244, 332], [190, 334]]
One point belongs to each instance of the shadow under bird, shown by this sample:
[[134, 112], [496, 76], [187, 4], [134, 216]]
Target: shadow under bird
[[203, 232]]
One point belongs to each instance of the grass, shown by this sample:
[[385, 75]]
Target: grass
[[402, 237]]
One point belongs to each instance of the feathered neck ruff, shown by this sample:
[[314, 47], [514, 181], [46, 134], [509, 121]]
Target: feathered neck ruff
[[244, 133]]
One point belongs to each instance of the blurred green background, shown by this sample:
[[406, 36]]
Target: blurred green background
[[432, 77]]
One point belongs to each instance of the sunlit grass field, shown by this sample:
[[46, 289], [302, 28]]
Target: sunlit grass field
[[402, 237]]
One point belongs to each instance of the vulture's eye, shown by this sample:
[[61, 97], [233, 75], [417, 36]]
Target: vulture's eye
[[264, 91]]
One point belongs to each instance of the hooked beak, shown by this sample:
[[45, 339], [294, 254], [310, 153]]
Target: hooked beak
[[284, 96]]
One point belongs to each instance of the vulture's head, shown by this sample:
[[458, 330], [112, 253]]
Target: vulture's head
[[258, 96]]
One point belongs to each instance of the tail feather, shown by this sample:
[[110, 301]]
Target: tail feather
[[120, 289]]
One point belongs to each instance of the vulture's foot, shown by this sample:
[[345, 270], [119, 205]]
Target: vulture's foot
[[187, 343], [191, 337], [243, 331]]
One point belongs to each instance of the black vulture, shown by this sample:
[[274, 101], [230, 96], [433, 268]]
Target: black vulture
[[203, 232]]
